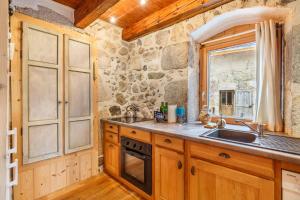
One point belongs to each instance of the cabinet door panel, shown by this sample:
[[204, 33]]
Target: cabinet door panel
[[79, 54], [42, 46], [214, 182], [111, 158], [169, 175], [79, 94], [43, 93], [79, 134], [43, 140]]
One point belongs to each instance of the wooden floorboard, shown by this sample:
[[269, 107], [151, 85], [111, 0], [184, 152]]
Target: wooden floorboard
[[101, 188]]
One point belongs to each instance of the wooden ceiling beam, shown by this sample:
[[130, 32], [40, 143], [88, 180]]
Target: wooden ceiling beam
[[90, 10], [176, 12]]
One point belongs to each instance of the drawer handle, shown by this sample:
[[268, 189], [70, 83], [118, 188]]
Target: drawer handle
[[193, 171], [168, 141], [110, 126], [224, 155], [133, 132], [110, 136], [179, 164]]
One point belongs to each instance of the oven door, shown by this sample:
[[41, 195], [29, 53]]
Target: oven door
[[136, 168]]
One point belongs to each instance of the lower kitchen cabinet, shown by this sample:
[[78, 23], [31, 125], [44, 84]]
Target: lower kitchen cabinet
[[208, 181], [111, 158], [169, 174]]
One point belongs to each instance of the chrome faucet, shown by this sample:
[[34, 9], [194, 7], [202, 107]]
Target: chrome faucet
[[259, 130]]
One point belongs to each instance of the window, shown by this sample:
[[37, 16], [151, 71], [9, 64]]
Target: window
[[228, 73]]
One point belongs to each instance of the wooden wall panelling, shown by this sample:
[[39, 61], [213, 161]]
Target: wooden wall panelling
[[72, 167], [30, 175], [85, 166], [24, 190], [42, 181], [4, 93], [58, 174]]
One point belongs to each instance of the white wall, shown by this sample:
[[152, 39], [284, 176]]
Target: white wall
[[34, 4]]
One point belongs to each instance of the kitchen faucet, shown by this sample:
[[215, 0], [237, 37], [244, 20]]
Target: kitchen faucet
[[259, 130]]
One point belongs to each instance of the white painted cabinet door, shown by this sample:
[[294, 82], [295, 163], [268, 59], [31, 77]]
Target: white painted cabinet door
[[78, 95], [42, 93]]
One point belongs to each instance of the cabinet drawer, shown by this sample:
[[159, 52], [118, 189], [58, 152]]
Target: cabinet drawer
[[249, 163], [111, 137], [169, 142], [137, 134], [111, 127]]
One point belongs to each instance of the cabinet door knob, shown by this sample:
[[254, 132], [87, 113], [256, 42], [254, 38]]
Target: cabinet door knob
[[59, 102], [110, 126], [193, 171], [168, 141], [66, 102], [179, 164], [224, 155], [111, 146], [133, 132]]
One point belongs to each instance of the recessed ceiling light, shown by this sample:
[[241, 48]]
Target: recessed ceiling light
[[143, 2], [113, 20]]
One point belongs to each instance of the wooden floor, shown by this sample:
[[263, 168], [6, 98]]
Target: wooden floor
[[101, 188]]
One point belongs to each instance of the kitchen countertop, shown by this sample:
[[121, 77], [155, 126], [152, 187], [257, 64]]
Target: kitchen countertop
[[197, 133]]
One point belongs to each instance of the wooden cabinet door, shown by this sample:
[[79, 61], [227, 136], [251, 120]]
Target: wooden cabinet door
[[208, 181], [42, 93], [169, 175], [111, 158], [78, 95]]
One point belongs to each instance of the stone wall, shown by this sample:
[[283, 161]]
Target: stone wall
[[292, 71]]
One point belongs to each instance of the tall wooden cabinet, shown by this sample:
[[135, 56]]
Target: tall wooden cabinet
[[169, 174], [215, 182], [47, 93]]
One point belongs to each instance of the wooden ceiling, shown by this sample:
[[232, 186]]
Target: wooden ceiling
[[136, 19], [128, 12]]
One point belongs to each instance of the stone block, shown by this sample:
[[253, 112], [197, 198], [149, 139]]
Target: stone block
[[175, 56]]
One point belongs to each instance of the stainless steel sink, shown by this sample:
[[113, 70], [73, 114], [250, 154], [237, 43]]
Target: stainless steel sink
[[233, 135]]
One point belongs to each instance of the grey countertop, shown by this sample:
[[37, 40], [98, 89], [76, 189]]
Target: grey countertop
[[272, 146]]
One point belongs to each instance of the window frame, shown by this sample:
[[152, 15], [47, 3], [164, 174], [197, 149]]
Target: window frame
[[238, 35]]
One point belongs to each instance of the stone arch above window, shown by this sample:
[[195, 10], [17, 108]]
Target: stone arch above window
[[238, 17]]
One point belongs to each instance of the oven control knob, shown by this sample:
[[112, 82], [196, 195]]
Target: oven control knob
[[141, 148], [127, 143], [134, 145]]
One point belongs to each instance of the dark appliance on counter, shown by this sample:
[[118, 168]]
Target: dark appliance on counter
[[136, 163]]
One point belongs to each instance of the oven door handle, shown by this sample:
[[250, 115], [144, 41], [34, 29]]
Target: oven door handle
[[136, 154]]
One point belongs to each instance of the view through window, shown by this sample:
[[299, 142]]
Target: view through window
[[232, 81]]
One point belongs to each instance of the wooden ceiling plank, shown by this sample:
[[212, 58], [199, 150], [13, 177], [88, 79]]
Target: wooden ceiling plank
[[176, 12], [90, 10]]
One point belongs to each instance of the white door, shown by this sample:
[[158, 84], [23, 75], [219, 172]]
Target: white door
[[78, 95], [42, 93]]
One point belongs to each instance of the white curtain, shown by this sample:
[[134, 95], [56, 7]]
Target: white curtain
[[268, 77]]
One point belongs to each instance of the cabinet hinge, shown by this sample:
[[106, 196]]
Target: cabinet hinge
[[94, 71]]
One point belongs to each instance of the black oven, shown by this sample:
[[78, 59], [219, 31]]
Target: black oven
[[136, 163]]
